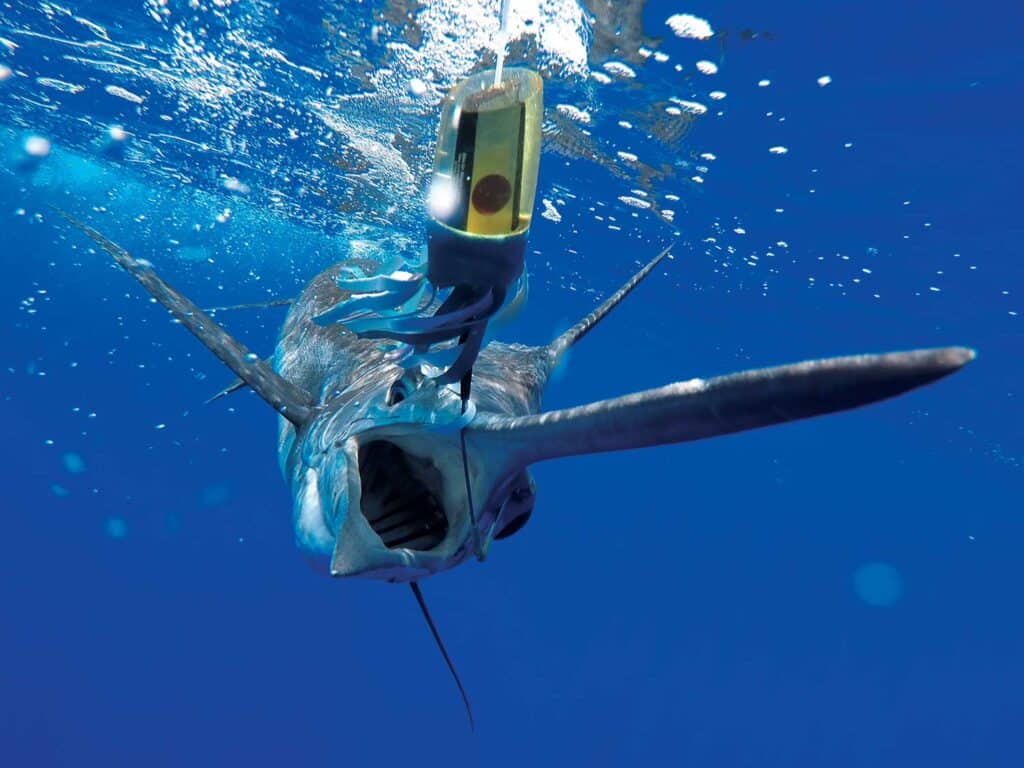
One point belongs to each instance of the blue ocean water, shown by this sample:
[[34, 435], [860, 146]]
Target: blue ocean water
[[842, 591]]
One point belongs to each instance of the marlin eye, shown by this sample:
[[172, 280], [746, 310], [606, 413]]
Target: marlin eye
[[515, 512], [519, 495], [396, 393]]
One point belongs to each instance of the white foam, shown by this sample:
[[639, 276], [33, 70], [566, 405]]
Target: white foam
[[60, 85], [706, 67], [123, 93], [693, 107], [234, 185], [453, 32], [689, 26], [634, 202], [620, 70], [574, 113]]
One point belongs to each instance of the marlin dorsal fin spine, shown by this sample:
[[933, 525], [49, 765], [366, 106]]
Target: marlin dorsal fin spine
[[558, 347], [292, 402]]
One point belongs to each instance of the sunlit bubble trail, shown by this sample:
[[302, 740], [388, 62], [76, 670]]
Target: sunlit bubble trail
[[234, 185], [124, 93]]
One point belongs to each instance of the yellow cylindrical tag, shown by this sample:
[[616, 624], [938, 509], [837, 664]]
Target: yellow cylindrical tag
[[488, 152]]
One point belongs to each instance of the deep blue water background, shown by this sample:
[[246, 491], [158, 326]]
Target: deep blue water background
[[688, 605]]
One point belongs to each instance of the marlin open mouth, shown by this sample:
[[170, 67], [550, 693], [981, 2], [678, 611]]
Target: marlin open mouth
[[401, 497]]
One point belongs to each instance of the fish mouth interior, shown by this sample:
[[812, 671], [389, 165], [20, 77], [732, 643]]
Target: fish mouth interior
[[401, 497]]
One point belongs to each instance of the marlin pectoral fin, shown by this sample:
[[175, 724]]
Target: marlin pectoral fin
[[698, 409], [284, 397]]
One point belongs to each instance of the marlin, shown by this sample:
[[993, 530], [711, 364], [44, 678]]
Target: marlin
[[392, 478]]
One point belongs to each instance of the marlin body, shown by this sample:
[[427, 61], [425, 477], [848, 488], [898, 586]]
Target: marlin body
[[377, 474], [392, 478]]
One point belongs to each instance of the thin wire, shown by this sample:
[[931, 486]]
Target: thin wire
[[440, 644], [466, 388], [503, 16], [469, 497]]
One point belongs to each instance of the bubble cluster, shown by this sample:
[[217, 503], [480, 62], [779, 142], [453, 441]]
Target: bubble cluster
[[689, 26]]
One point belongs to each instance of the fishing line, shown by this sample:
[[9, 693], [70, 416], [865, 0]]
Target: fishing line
[[503, 16], [440, 644], [465, 387], [469, 498]]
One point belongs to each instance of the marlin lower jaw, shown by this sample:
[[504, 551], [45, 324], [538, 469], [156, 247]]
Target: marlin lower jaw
[[402, 515]]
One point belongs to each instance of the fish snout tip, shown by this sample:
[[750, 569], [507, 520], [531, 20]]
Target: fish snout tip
[[935, 362], [938, 362], [954, 358]]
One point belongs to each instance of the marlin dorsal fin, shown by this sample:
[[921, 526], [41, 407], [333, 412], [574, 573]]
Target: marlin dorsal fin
[[292, 402], [558, 347]]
